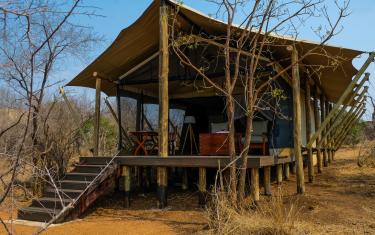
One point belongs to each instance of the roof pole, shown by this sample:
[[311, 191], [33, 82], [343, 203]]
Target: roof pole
[[163, 101], [297, 120], [98, 86]]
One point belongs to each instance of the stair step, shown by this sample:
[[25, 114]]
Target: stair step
[[86, 168], [95, 160], [37, 214], [79, 176], [64, 192], [74, 184], [50, 203]]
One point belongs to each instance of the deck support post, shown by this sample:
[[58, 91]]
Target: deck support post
[[279, 173], [202, 185], [317, 124], [308, 131], [98, 86], [163, 101], [185, 181], [324, 142], [286, 171], [254, 187], [328, 145], [267, 180], [126, 177], [297, 119]]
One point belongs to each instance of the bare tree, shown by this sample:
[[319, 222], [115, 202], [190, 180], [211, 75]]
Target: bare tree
[[247, 49], [32, 54]]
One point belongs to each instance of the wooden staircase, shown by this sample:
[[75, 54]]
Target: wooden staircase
[[74, 193]]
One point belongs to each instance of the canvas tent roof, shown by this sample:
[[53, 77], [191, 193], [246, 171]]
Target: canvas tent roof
[[141, 40]]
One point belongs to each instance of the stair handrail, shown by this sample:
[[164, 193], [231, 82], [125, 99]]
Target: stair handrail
[[75, 200]]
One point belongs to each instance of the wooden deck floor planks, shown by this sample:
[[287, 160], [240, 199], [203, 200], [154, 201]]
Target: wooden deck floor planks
[[190, 161]]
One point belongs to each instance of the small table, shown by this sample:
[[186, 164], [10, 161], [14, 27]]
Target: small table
[[141, 138]]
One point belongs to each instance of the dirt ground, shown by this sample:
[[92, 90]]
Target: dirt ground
[[341, 201]]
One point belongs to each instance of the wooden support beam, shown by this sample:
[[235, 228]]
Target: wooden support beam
[[345, 135], [267, 180], [138, 66], [348, 115], [118, 99], [279, 173], [254, 187], [202, 186], [338, 119], [297, 115], [98, 86], [317, 124], [327, 145], [286, 171], [322, 146], [343, 97], [348, 119], [127, 183], [124, 134], [163, 101], [308, 131]]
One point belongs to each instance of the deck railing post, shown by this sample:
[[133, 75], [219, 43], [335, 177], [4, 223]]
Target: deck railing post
[[297, 119], [267, 180], [98, 84], [163, 101]]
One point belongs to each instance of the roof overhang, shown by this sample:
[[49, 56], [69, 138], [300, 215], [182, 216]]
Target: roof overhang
[[139, 41]]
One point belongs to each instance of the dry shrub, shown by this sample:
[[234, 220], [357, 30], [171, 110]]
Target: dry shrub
[[366, 156], [273, 216]]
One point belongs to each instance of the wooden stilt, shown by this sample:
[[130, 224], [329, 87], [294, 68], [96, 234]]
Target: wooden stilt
[[267, 180], [297, 120], [163, 101], [202, 187], [254, 187], [286, 171], [323, 114], [328, 139], [185, 182], [279, 173], [126, 177], [317, 124], [308, 131], [98, 86], [294, 168]]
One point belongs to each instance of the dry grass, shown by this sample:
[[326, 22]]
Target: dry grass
[[278, 215]]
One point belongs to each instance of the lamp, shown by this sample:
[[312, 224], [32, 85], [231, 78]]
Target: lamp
[[189, 120]]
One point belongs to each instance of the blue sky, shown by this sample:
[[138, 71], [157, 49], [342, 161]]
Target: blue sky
[[357, 32]]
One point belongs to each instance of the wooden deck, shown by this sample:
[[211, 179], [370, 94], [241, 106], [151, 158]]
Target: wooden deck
[[190, 161]]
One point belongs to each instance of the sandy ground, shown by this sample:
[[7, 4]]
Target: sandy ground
[[341, 201]]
